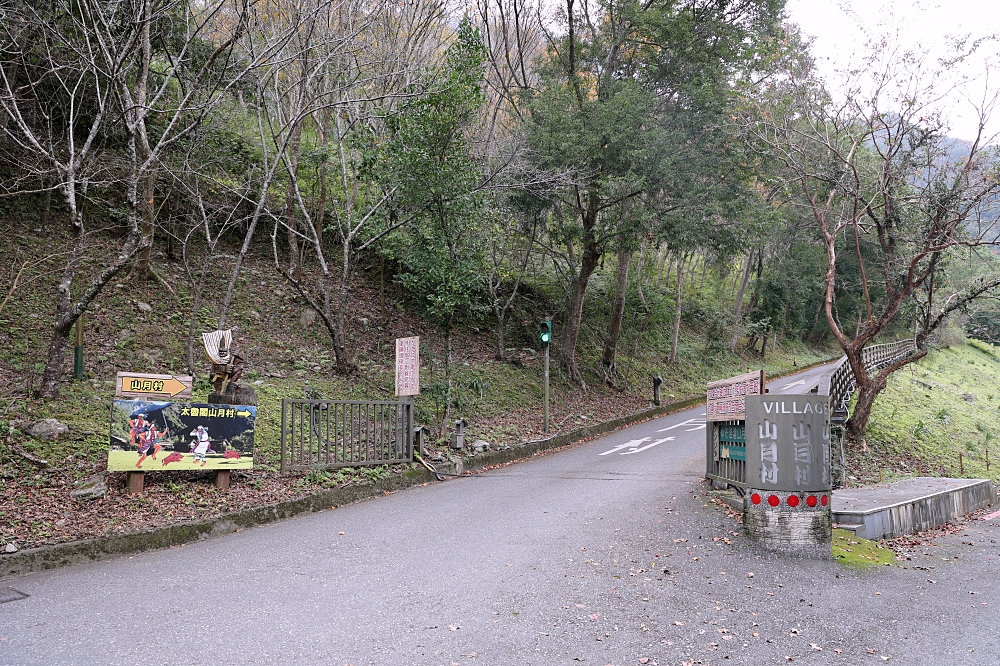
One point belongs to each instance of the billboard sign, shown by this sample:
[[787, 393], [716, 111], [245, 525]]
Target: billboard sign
[[148, 435]]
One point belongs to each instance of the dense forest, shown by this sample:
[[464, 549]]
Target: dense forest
[[613, 165]]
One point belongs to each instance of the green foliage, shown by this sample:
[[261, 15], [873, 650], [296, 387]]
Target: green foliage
[[442, 251]]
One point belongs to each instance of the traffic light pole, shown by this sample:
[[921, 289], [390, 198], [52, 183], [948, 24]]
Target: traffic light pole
[[546, 425]]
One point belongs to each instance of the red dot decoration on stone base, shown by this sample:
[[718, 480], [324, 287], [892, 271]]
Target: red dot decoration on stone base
[[755, 498], [823, 500], [773, 500], [811, 500], [793, 500]]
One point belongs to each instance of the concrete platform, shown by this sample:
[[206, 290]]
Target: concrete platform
[[908, 506]]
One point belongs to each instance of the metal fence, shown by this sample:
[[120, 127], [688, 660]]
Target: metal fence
[[728, 458], [324, 434], [840, 383]]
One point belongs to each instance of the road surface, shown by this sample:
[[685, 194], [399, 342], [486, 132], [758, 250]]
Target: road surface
[[602, 553]]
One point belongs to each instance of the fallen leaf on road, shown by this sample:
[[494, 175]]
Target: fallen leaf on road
[[837, 650], [750, 575], [679, 624], [679, 540], [453, 627], [815, 647], [644, 660], [340, 533]]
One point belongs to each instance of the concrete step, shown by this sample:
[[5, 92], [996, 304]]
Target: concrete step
[[908, 506]]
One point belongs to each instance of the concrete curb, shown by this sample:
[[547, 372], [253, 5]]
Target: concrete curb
[[107, 547]]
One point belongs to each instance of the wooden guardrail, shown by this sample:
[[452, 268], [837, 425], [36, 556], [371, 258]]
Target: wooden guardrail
[[840, 383]]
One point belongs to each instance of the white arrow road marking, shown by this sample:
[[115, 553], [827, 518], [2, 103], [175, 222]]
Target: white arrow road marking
[[634, 443], [684, 423], [698, 427], [648, 446], [788, 386]]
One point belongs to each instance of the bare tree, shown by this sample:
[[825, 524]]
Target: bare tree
[[878, 172]]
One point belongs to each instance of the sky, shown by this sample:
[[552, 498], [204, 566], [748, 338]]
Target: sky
[[838, 36]]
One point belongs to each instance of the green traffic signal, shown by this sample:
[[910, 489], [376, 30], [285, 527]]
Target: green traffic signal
[[545, 332]]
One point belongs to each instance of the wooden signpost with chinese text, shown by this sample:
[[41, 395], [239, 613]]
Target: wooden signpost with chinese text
[[726, 398], [408, 366], [140, 385]]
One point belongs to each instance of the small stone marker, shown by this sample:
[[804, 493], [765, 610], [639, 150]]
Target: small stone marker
[[48, 429], [90, 488]]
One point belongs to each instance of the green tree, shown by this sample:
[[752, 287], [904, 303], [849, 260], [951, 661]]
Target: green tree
[[442, 252]]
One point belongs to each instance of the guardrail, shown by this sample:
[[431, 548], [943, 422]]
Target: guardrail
[[324, 434], [840, 383]]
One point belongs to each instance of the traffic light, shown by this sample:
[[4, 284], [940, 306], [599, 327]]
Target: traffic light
[[545, 332]]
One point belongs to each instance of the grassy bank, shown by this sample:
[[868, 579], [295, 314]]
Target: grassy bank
[[939, 417]]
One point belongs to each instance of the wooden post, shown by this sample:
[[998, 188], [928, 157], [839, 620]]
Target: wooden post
[[134, 482], [222, 479], [961, 465]]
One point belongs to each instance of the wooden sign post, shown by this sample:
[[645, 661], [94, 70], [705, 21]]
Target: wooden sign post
[[153, 387], [408, 366]]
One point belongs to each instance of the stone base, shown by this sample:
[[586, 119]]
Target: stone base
[[786, 523]]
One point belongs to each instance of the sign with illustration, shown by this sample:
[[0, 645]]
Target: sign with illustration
[[788, 442], [150, 435], [726, 398], [408, 366], [141, 385]]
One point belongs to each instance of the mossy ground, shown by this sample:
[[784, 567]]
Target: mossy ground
[[937, 417], [855, 552]]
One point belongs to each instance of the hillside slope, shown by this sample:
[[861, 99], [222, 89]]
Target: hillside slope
[[944, 406]]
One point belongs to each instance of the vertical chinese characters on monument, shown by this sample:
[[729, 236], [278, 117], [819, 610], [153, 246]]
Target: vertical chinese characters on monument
[[791, 435], [407, 366]]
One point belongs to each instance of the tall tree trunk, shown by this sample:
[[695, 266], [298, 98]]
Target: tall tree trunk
[[574, 315], [147, 175], [738, 307], [321, 206], [608, 361], [638, 278], [677, 310], [344, 365], [291, 224], [662, 258], [448, 379]]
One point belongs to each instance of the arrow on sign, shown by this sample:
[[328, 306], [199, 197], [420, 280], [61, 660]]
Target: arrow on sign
[[243, 412], [136, 384]]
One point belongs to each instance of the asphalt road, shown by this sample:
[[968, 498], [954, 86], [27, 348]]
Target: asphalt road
[[602, 553]]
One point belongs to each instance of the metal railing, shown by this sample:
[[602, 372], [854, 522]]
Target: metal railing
[[324, 434], [726, 438], [840, 383]]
